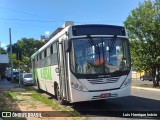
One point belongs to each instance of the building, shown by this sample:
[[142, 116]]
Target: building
[[67, 23], [44, 38], [137, 75], [3, 64]]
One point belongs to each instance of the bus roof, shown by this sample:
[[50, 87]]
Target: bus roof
[[51, 40], [79, 30]]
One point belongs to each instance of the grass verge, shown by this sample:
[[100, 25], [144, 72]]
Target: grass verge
[[7, 101], [12, 94], [49, 102]]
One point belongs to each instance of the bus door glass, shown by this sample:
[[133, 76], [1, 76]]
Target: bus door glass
[[63, 70]]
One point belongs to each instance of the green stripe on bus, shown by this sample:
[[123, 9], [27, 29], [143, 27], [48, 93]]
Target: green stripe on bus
[[35, 74], [46, 73]]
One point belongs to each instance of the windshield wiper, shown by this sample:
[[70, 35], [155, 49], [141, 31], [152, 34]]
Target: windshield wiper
[[92, 43], [111, 46]]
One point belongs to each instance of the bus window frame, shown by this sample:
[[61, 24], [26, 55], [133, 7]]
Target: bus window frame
[[93, 76]]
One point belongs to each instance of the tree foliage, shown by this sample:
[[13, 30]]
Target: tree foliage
[[26, 47], [143, 25], [3, 51]]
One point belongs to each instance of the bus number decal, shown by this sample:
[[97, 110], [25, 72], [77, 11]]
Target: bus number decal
[[46, 73]]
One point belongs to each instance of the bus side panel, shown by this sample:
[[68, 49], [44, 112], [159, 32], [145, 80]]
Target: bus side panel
[[47, 76], [54, 79], [39, 80]]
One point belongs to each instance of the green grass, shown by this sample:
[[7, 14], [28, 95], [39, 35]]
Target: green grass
[[67, 110], [4, 106], [49, 102], [12, 94], [54, 105]]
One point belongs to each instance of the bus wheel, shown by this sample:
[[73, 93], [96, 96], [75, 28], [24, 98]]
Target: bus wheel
[[59, 97], [38, 86]]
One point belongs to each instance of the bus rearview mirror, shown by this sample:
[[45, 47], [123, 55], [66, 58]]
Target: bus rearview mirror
[[67, 45]]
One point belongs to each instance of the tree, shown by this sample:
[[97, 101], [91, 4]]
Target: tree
[[26, 47], [143, 26], [2, 51]]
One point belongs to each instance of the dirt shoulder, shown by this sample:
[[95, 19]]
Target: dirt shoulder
[[22, 99], [144, 84]]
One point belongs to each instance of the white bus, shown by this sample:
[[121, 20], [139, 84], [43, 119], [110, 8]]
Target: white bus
[[84, 63]]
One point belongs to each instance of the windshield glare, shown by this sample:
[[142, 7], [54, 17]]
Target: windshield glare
[[112, 55]]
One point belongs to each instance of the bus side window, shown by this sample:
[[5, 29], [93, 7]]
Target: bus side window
[[36, 61], [45, 53], [48, 55], [40, 56], [48, 51], [42, 60], [33, 61], [37, 57], [54, 48], [54, 53], [43, 56], [51, 49]]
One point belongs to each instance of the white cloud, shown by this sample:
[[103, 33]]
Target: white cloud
[[3, 45], [47, 32]]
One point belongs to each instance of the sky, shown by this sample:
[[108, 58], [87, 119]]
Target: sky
[[33, 18]]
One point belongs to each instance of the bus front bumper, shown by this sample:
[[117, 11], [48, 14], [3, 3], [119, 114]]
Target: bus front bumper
[[78, 96]]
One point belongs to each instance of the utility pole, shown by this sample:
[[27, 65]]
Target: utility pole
[[19, 58], [10, 38]]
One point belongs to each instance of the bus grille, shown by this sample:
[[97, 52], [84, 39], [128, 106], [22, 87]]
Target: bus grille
[[103, 80]]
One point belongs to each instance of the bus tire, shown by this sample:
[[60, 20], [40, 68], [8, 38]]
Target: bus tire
[[38, 86], [55, 89], [59, 97]]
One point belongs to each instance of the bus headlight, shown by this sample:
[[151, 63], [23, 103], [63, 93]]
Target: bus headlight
[[81, 87], [77, 86]]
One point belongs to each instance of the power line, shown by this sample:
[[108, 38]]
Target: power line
[[31, 25], [26, 13], [27, 20], [34, 20]]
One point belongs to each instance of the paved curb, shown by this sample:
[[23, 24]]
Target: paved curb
[[143, 88]]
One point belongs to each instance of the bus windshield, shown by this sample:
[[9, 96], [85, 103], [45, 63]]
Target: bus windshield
[[113, 55]]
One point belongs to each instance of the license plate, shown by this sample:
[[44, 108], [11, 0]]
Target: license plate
[[105, 95]]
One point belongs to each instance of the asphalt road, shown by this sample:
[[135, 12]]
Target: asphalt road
[[139, 101]]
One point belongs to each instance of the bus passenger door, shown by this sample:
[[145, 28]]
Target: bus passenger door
[[63, 75]]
